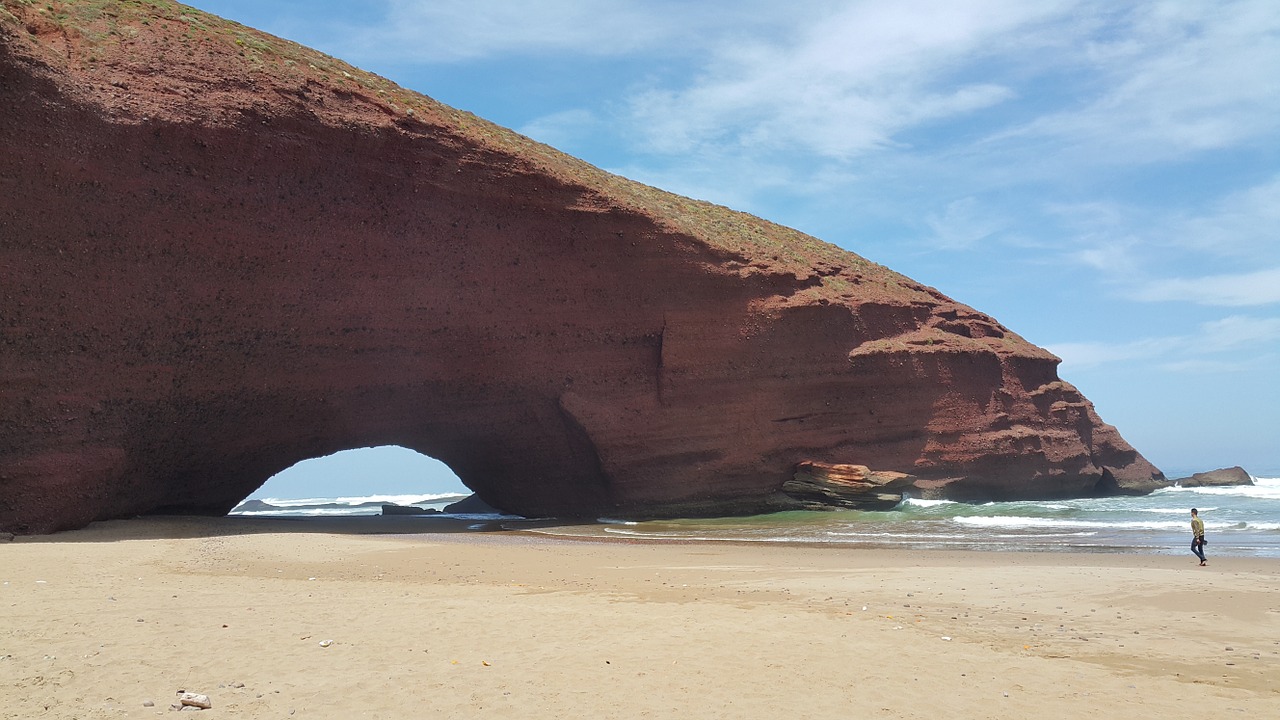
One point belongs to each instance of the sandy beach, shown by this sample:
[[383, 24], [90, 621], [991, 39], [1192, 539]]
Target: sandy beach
[[355, 618]]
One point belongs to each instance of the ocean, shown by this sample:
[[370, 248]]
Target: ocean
[[1239, 521], [339, 506]]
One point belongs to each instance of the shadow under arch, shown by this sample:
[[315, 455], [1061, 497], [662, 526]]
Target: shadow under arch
[[343, 477]]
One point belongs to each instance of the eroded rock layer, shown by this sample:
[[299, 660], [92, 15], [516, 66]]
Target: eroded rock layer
[[222, 253]]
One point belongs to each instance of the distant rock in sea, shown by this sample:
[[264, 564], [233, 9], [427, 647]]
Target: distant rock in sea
[[1225, 477], [389, 509]]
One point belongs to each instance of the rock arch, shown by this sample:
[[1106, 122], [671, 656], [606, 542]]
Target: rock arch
[[211, 269]]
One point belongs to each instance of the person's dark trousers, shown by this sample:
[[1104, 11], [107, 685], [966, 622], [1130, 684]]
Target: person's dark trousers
[[1198, 548]]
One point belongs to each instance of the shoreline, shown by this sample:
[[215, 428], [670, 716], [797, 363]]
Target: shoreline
[[1243, 521], [464, 622], [443, 526]]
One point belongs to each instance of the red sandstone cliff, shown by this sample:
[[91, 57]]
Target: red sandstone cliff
[[222, 253]]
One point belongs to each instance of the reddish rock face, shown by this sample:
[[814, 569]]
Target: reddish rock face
[[222, 253]]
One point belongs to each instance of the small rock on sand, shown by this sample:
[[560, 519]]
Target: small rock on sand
[[195, 700]]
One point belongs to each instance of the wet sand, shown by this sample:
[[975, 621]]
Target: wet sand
[[396, 618]]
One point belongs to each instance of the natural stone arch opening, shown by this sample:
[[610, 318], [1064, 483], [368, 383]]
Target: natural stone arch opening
[[390, 473]]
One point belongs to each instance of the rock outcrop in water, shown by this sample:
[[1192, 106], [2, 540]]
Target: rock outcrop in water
[[222, 253], [1223, 477]]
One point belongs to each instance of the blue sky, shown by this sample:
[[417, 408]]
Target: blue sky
[[1102, 177]]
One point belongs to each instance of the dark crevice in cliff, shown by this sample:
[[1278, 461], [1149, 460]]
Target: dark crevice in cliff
[[1106, 485]]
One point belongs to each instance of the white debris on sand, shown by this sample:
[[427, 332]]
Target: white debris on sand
[[194, 700]]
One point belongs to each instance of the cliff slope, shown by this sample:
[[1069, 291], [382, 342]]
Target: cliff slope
[[222, 253]]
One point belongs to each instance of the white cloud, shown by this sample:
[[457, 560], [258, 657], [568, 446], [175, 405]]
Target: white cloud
[[1174, 79], [731, 181], [1089, 354], [561, 128], [1115, 258], [1260, 287], [454, 30], [1243, 224], [1147, 83], [971, 97], [1097, 235], [1238, 331], [962, 224], [446, 30], [1203, 366], [843, 83], [1192, 352], [1133, 246]]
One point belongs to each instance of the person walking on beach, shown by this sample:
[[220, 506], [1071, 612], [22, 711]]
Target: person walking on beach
[[1197, 535]]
